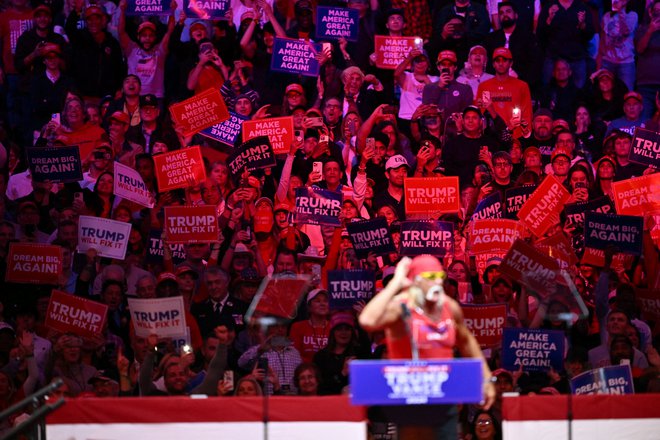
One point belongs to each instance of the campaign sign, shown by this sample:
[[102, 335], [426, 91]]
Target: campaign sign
[[648, 301], [130, 186], [148, 7], [164, 317], [295, 56], [174, 169], [371, 236], [615, 379], [430, 195], [533, 349], [427, 237], [596, 258], [646, 148], [278, 296], [637, 196], [558, 246], [482, 261], [489, 207], [109, 238], [315, 206], [252, 155], [486, 322], [515, 198], [541, 210], [155, 249], [526, 265], [278, 130], [622, 231], [417, 382], [73, 314], [56, 164], [390, 51], [490, 236], [207, 9], [336, 23], [199, 112], [226, 131], [191, 224], [575, 211], [346, 287], [34, 263]]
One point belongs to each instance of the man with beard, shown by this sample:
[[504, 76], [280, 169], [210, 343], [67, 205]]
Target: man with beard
[[396, 171], [520, 40], [541, 136], [438, 330]]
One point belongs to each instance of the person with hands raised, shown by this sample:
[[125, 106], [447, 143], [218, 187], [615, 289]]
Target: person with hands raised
[[417, 287]]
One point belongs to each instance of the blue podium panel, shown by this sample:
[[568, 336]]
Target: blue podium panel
[[424, 382]]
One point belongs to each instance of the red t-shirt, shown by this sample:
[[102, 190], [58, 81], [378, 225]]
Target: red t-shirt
[[307, 339], [12, 24]]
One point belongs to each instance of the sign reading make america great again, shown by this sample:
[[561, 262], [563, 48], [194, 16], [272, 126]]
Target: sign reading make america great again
[[295, 56]]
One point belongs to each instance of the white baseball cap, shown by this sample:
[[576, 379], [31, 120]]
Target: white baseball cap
[[396, 161]]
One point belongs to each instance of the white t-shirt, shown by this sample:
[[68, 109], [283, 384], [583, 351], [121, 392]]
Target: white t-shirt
[[411, 94], [149, 66]]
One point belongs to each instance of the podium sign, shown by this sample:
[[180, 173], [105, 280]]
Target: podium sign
[[424, 382]]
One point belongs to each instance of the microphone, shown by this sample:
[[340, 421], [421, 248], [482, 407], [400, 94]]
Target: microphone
[[405, 314]]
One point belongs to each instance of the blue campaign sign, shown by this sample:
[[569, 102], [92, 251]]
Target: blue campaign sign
[[346, 287], [575, 211], [426, 237], [371, 236], [252, 155], [335, 23], [489, 207], [155, 249], [227, 131], [424, 382], [606, 380], [533, 349], [315, 206], [207, 9], [646, 148], [148, 7], [55, 164], [295, 56], [514, 198], [622, 231]]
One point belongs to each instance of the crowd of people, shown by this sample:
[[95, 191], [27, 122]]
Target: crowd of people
[[499, 94]]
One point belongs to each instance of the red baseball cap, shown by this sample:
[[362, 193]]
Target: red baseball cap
[[502, 52]]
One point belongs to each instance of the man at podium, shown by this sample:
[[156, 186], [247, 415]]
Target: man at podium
[[421, 322]]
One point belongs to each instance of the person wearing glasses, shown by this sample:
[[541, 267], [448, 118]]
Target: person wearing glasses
[[415, 298], [486, 427]]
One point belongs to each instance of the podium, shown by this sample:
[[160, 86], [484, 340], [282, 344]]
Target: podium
[[420, 382]]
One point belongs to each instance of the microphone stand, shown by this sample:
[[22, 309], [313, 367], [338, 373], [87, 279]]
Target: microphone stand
[[406, 320]]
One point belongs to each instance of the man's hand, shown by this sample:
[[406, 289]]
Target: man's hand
[[489, 395]]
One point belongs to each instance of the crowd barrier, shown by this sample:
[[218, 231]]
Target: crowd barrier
[[229, 418], [611, 417]]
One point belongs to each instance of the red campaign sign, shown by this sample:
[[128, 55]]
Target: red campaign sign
[[390, 51], [430, 195], [486, 322], [529, 267], [278, 130], [542, 209], [493, 235], [596, 258], [558, 246], [202, 111], [34, 263], [280, 296], [191, 224], [72, 314], [174, 169], [637, 196]]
